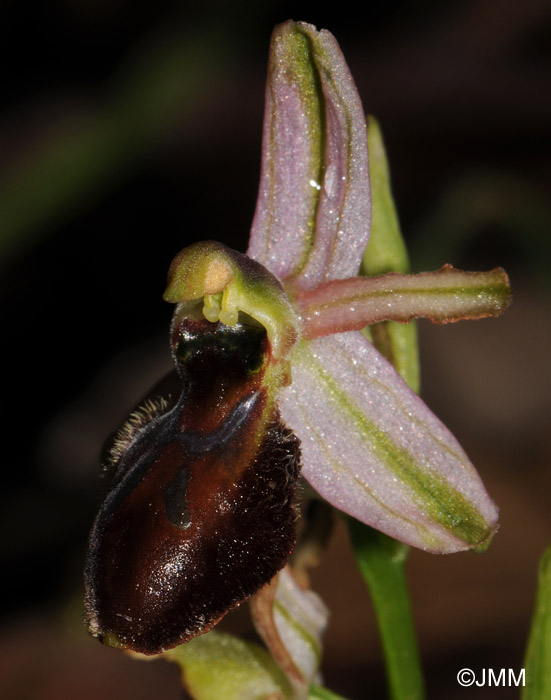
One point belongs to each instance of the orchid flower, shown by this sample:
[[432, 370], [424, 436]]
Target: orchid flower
[[369, 445], [271, 364]]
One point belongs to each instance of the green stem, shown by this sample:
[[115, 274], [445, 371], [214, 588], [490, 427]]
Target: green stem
[[537, 662], [381, 562]]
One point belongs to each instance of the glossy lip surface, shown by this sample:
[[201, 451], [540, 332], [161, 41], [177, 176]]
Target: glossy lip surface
[[200, 513]]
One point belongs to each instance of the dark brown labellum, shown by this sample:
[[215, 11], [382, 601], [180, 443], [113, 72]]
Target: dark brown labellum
[[200, 510]]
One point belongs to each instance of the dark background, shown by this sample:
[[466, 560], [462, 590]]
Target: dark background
[[129, 130]]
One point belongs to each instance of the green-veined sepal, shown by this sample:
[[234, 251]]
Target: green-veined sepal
[[374, 450]]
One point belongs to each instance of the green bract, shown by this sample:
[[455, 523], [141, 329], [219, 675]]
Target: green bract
[[217, 666]]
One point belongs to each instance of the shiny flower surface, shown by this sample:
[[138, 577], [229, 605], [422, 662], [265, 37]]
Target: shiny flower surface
[[200, 513]]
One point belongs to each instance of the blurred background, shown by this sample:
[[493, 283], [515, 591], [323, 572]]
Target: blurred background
[[129, 130]]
